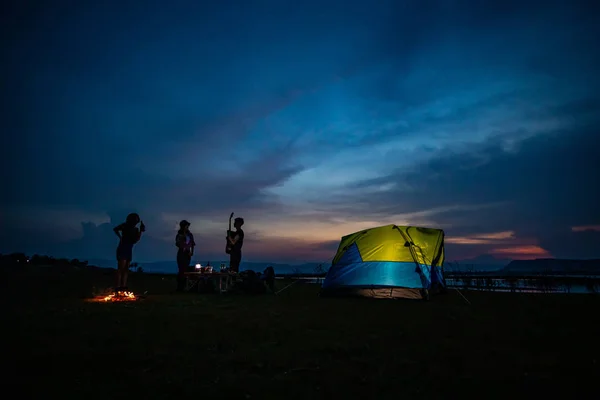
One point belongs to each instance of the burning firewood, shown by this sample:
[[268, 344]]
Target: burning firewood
[[119, 296]]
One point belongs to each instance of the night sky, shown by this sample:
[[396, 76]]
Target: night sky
[[311, 119]]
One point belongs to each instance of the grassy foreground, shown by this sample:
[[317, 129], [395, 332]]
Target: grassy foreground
[[295, 346]]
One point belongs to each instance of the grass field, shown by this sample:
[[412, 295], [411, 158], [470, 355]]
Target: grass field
[[294, 346]]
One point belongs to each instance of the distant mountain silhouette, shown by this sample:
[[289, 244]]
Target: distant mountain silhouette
[[484, 263], [553, 266], [486, 259]]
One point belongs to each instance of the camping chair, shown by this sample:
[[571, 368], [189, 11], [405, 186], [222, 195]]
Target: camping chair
[[225, 282]]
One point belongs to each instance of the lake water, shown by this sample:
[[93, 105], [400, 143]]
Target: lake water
[[521, 285], [498, 285]]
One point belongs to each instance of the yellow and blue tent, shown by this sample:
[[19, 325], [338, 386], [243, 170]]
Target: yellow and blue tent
[[388, 261]]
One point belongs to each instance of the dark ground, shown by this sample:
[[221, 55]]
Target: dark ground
[[294, 346]]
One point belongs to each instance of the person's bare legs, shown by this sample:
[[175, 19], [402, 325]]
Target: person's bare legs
[[125, 273], [120, 274]]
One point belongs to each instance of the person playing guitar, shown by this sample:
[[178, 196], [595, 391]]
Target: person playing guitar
[[229, 233], [235, 241]]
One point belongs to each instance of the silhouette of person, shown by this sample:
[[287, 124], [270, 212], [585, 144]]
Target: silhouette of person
[[184, 240], [237, 241], [129, 235]]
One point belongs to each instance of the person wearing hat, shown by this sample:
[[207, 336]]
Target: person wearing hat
[[185, 245], [237, 241]]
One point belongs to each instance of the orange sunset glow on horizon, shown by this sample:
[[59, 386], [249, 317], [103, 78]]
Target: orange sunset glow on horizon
[[503, 244], [586, 228]]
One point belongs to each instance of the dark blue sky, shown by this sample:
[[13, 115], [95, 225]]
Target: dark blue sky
[[310, 119]]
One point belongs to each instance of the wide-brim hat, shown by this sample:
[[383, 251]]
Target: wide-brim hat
[[184, 223]]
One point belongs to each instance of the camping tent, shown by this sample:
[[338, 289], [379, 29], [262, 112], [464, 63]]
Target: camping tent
[[388, 261]]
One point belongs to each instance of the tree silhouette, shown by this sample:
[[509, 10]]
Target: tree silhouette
[[15, 258]]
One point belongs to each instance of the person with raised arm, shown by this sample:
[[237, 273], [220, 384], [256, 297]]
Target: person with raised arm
[[237, 241], [129, 235]]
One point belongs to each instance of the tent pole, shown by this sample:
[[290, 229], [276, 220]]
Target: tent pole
[[412, 252]]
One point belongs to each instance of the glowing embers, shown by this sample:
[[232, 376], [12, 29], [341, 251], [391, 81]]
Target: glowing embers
[[120, 296], [116, 297]]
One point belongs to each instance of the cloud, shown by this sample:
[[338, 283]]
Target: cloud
[[99, 186], [522, 253], [310, 125], [543, 184], [572, 245], [586, 228], [485, 238], [503, 244]]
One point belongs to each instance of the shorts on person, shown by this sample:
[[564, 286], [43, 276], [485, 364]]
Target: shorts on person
[[124, 252]]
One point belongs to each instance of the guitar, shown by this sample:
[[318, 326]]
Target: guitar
[[228, 245]]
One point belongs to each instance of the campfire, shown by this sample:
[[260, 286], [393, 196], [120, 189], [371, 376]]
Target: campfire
[[120, 296]]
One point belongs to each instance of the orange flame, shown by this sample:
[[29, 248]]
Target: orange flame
[[120, 296]]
